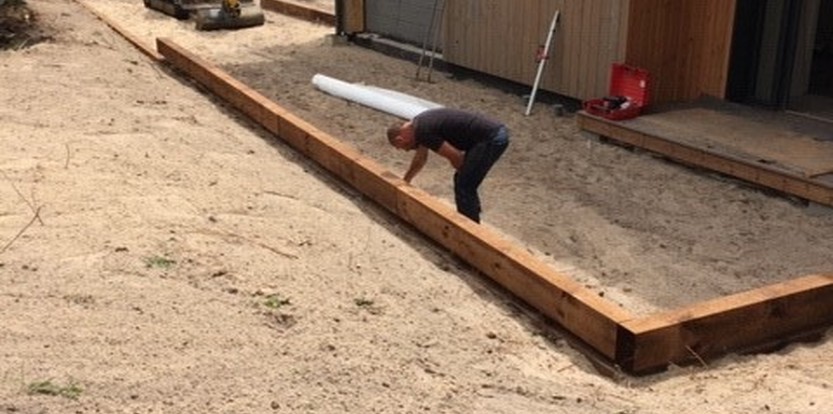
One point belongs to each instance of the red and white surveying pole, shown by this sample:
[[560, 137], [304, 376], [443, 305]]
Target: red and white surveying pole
[[543, 56]]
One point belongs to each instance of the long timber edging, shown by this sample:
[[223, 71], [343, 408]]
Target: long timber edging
[[638, 345], [761, 318], [587, 316], [772, 314]]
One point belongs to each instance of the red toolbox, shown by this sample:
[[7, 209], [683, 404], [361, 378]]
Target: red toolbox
[[629, 88]]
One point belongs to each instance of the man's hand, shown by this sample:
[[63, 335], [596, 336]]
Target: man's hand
[[420, 157]]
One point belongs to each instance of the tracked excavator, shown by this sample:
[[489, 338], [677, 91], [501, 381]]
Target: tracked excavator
[[212, 14]]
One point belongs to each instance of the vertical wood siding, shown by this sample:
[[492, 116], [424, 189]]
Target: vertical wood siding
[[684, 44], [501, 37], [403, 20]]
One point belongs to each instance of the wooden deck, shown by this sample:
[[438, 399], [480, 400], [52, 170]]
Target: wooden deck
[[778, 150]]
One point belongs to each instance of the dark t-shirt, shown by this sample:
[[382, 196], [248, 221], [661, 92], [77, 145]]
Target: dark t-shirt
[[461, 129]]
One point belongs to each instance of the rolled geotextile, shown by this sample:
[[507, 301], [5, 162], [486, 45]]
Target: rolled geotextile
[[385, 100]]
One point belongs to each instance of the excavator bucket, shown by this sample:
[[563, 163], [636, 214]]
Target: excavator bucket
[[172, 8], [212, 14], [225, 17]]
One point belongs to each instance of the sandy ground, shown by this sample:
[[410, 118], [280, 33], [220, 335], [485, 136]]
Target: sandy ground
[[159, 253]]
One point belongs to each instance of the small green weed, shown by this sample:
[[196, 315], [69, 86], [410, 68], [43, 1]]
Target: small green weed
[[159, 262], [275, 301], [71, 391]]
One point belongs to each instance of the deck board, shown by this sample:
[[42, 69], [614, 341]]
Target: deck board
[[783, 148], [790, 154]]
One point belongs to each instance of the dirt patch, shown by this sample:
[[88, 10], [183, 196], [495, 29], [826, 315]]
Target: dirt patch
[[19, 25]]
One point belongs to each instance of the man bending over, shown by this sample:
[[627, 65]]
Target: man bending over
[[471, 142]]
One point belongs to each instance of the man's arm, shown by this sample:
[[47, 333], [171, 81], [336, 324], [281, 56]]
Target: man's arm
[[420, 157], [452, 154]]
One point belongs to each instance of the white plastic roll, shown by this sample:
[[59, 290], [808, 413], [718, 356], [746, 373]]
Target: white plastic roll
[[404, 97], [385, 100]]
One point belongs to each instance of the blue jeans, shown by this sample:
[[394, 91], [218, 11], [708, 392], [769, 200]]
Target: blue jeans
[[477, 163]]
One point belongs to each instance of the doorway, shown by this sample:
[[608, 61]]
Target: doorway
[[814, 96], [782, 56]]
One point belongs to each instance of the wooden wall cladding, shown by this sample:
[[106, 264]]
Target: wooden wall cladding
[[684, 44], [502, 37]]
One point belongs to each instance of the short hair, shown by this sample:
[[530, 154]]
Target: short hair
[[393, 131]]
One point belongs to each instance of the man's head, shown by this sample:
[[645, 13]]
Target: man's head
[[401, 135]]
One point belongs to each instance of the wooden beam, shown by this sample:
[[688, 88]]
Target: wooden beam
[[579, 310], [713, 328], [819, 173], [353, 16], [764, 175], [302, 12]]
